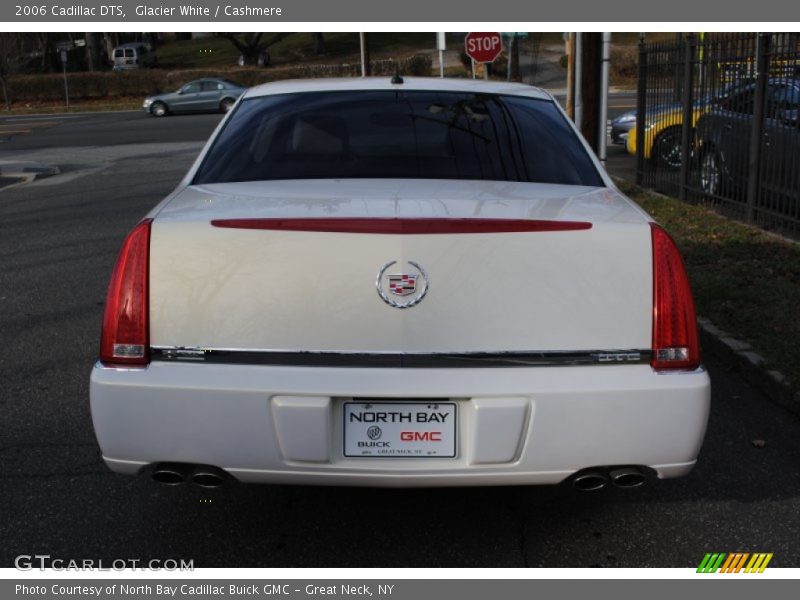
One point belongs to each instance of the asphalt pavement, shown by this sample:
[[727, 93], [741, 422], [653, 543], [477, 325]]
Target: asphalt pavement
[[58, 240], [33, 132]]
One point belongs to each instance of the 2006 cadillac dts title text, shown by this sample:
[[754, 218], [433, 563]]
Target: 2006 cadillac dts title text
[[143, 10]]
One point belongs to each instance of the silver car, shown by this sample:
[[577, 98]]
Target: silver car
[[201, 95]]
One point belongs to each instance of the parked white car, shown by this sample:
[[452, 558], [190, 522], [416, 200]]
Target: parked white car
[[421, 283]]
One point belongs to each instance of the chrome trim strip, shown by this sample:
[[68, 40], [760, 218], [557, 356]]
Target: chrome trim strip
[[393, 360], [700, 369]]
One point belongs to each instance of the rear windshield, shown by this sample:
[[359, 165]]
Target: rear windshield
[[398, 134]]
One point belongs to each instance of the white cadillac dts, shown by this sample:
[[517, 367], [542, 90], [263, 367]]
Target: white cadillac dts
[[379, 282]]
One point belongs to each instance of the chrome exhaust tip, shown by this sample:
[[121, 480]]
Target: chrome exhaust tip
[[208, 477], [170, 473], [590, 481], [628, 477]]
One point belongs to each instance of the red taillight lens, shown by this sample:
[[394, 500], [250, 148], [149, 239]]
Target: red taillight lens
[[125, 339], [675, 344]]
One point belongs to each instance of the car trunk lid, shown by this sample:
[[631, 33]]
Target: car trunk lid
[[307, 266]]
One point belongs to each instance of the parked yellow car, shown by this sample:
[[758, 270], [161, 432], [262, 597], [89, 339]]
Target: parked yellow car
[[664, 123], [663, 128]]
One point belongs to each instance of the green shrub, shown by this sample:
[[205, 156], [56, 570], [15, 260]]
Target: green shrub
[[143, 82]]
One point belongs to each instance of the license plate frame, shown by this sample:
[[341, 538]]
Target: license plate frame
[[388, 434]]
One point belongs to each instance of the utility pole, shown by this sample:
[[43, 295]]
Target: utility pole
[[569, 47], [578, 64], [602, 121], [513, 58], [440, 45], [587, 85], [66, 84], [365, 67]]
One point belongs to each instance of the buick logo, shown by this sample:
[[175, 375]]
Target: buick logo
[[374, 433], [402, 288]]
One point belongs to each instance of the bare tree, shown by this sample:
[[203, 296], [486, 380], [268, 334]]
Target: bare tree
[[49, 57], [94, 60], [12, 57], [110, 41], [253, 47]]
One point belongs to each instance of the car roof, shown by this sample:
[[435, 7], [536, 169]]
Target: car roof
[[432, 84], [215, 79]]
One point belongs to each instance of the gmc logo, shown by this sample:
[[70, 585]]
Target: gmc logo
[[421, 436]]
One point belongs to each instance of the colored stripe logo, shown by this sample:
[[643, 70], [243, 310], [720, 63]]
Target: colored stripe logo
[[736, 562]]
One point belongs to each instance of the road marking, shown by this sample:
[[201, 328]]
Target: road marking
[[44, 117], [32, 123], [25, 125]]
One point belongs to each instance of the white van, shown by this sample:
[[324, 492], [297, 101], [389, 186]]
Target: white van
[[133, 56]]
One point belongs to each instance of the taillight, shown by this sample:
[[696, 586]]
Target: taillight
[[675, 343], [125, 339]]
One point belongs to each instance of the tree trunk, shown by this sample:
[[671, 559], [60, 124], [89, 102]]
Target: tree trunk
[[47, 53], [5, 93], [252, 49], [513, 59], [590, 86], [109, 43], [91, 51], [319, 43]]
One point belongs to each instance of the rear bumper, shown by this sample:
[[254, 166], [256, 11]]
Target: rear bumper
[[284, 424]]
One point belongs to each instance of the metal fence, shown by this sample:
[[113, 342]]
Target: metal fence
[[718, 117]]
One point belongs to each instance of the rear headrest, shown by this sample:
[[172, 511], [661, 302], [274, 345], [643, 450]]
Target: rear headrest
[[319, 135]]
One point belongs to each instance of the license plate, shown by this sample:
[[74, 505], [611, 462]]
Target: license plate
[[392, 430]]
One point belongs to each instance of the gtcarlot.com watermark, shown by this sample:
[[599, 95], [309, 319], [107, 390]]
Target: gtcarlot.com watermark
[[43, 562]]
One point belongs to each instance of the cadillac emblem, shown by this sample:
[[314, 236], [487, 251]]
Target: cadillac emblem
[[409, 287], [402, 284]]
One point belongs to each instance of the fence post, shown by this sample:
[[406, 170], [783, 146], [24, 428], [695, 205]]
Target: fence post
[[641, 98], [690, 50], [763, 43]]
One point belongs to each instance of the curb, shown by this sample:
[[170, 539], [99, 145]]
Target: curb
[[749, 364], [56, 115]]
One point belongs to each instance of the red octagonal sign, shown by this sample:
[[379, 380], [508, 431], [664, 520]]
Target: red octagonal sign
[[483, 47]]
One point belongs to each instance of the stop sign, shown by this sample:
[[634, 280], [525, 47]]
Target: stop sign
[[483, 47]]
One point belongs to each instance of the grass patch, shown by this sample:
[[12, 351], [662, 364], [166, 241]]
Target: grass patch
[[745, 280], [210, 52]]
